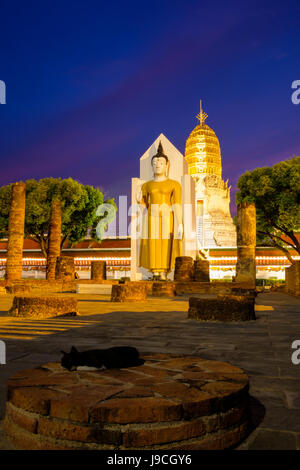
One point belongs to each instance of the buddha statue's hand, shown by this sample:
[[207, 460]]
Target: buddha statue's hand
[[139, 195]]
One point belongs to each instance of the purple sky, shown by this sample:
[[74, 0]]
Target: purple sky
[[90, 86]]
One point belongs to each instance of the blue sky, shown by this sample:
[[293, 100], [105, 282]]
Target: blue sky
[[90, 85]]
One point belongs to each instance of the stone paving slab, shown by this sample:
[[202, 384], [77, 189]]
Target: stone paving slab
[[269, 439], [262, 348]]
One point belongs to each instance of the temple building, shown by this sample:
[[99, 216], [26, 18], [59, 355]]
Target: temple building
[[215, 231], [203, 156]]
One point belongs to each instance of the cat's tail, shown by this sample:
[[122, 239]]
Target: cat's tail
[[137, 362], [140, 362]]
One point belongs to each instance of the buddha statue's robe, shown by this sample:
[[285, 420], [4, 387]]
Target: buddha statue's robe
[[160, 240]]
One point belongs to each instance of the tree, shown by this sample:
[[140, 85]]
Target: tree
[[276, 193], [79, 206], [5, 204]]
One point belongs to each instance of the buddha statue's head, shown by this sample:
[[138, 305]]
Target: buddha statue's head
[[160, 162]]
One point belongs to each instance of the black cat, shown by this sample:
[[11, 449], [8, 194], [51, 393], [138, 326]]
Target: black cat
[[112, 358]]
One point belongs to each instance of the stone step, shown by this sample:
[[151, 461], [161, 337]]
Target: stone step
[[97, 289]]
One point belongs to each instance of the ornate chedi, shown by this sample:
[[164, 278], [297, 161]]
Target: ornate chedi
[[203, 155]]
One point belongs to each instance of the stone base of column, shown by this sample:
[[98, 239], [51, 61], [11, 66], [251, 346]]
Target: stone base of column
[[129, 292], [224, 308]]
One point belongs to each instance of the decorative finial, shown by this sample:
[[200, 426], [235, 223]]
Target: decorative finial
[[160, 150], [201, 116], [160, 153]]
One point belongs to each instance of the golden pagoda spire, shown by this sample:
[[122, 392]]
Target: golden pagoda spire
[[202, 150], [201, 116]]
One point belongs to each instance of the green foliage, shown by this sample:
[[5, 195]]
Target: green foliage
[[5, 201], [75, 223], [79, 206], [276, 193]]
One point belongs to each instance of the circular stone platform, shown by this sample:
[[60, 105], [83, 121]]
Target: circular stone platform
[[170, 402]]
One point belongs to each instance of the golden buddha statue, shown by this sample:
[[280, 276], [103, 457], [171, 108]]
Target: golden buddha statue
[[162, 219]]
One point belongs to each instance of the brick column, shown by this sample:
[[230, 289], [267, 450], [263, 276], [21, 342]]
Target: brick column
[[16, 232], [297, 278], [292, 279], [201, 270], [246, 242], [184, 268], [98, 270], [54, 239], [65, 268]]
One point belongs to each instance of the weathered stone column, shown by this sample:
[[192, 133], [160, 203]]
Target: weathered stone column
[[246, 242], [98, 270], [201, 270], [16, 232], [292, 279], [54, 239], [65, 268], [184, 268]]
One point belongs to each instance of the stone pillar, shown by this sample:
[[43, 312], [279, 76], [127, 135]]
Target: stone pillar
[[297, 278], [184, 268], [246, 242], [16, 232], [292, 279], [54, 239], [98, 270], [201, 270], [65, 269]]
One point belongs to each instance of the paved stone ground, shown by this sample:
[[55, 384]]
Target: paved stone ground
[[262, 348]]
